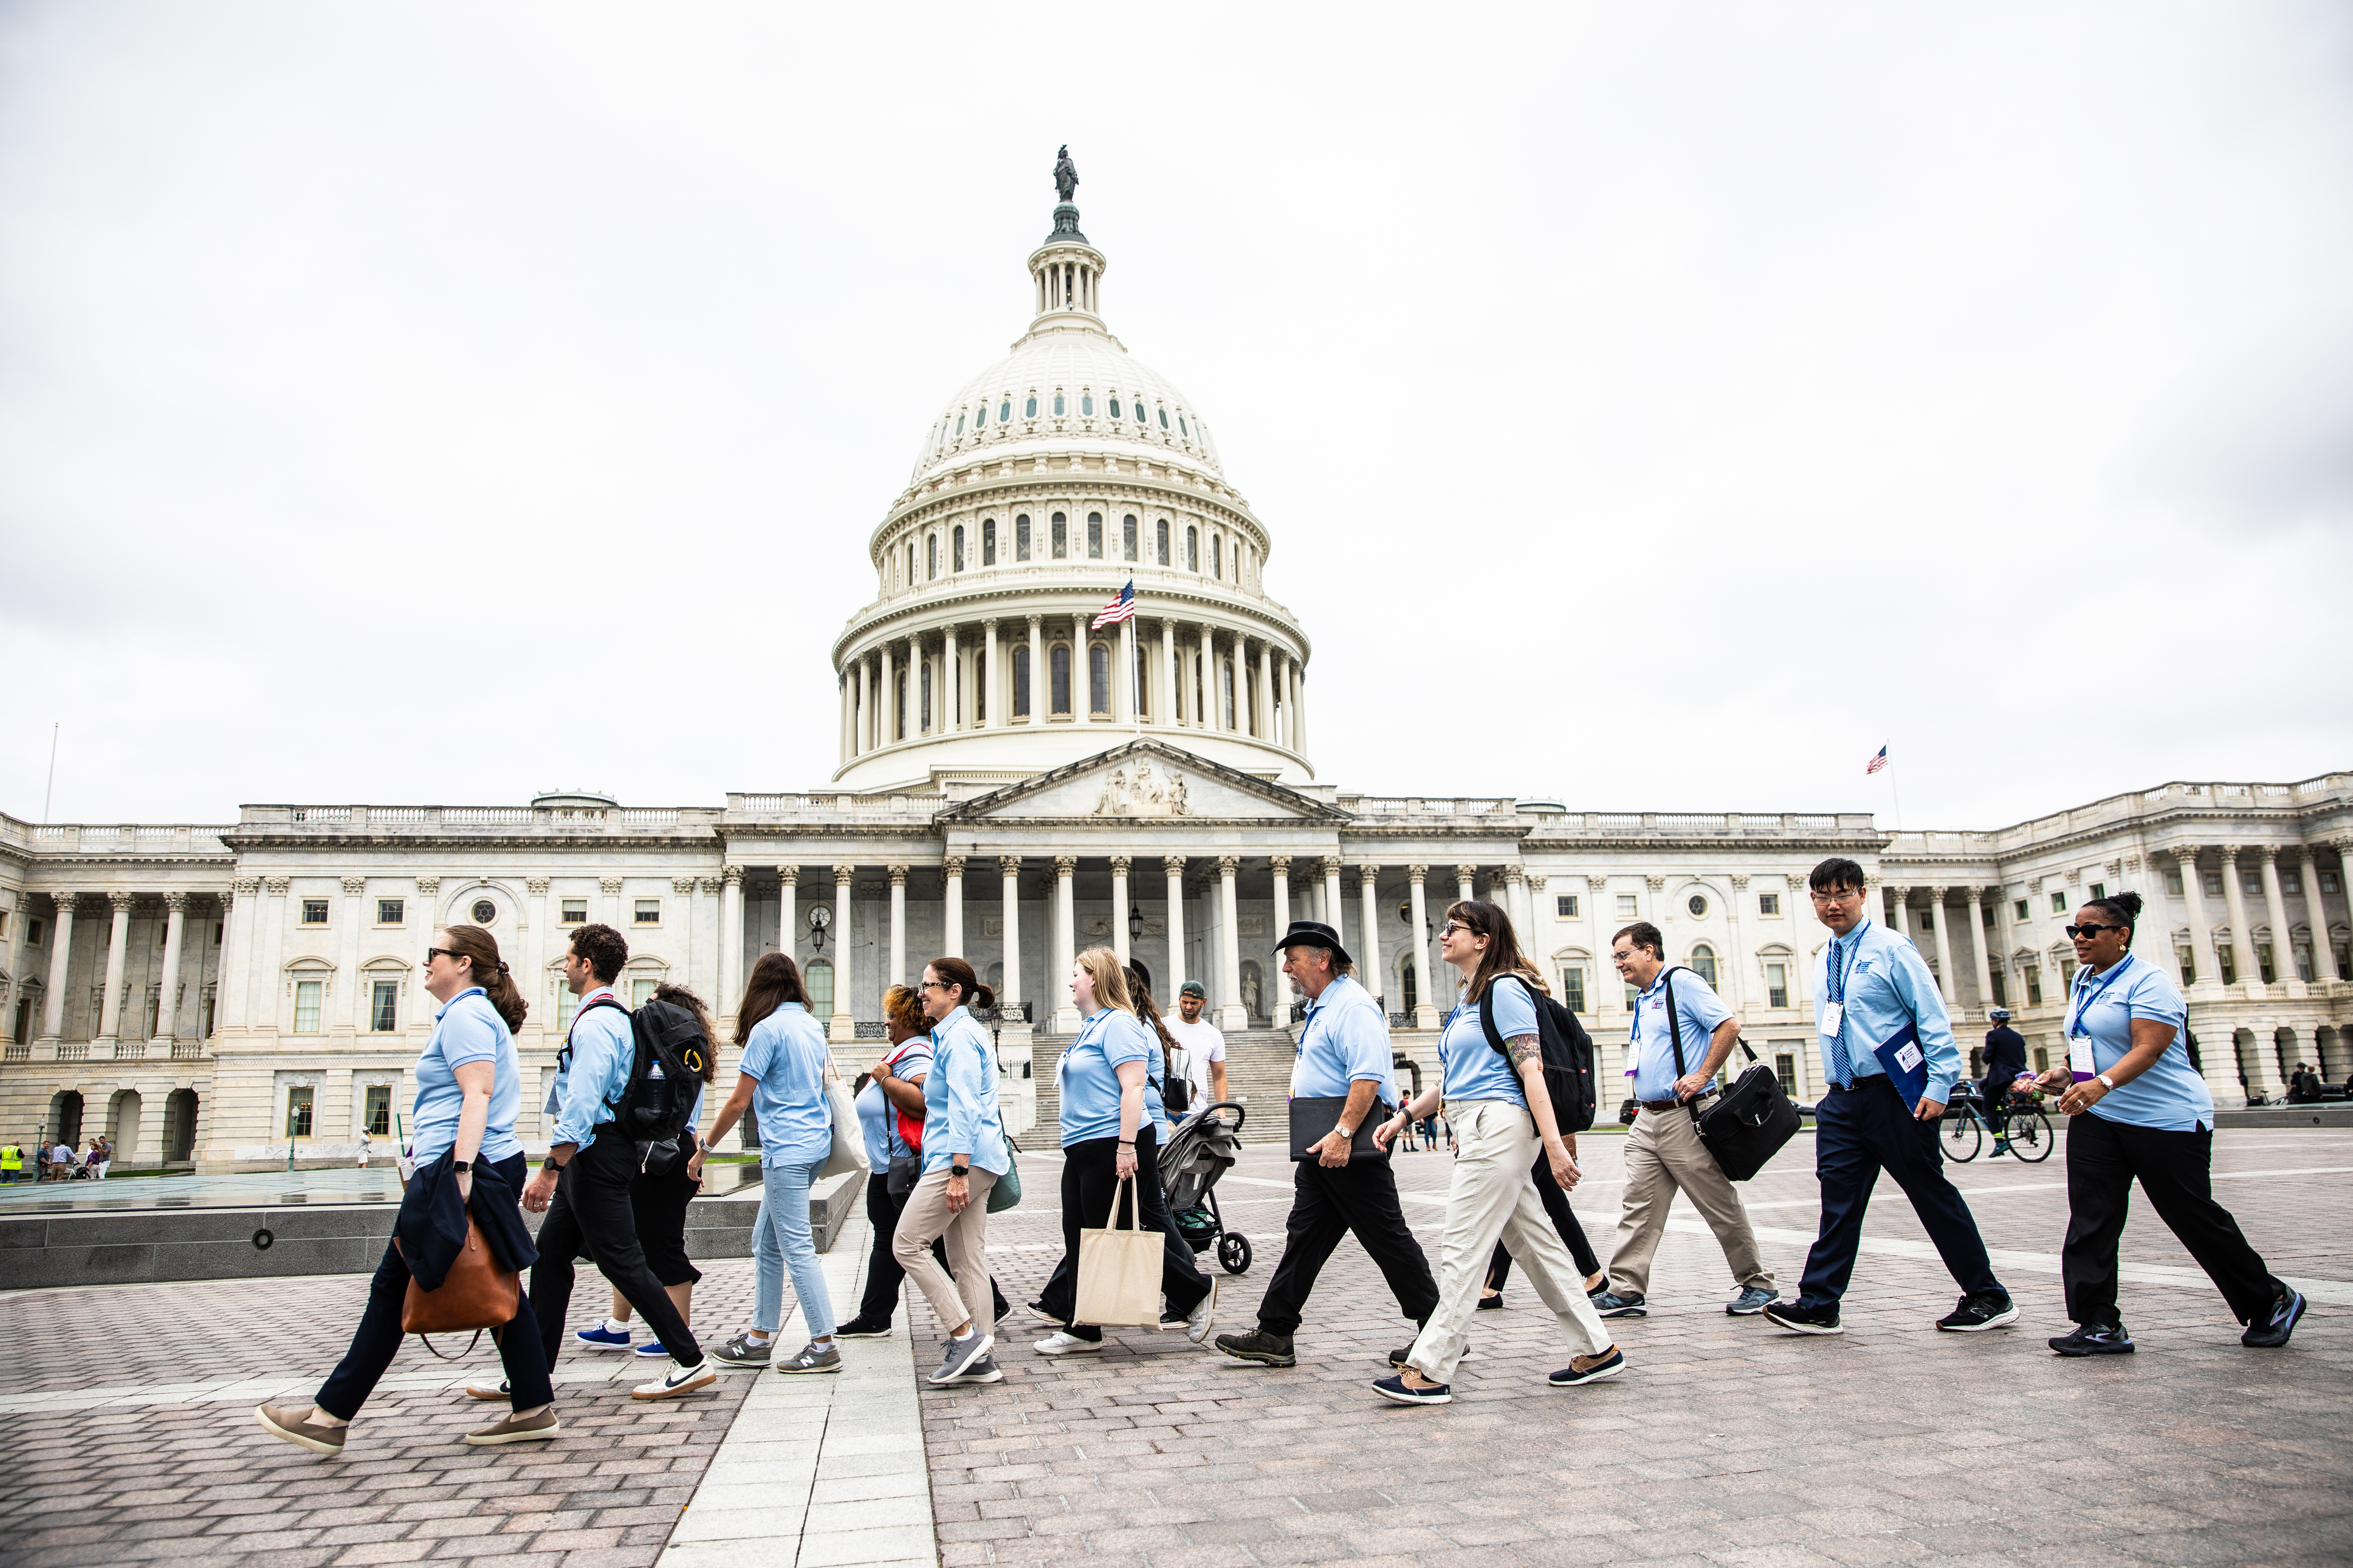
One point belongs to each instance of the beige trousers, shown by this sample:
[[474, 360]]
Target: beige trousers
[[965, 1237], [1494, 1197], [1663, 1156]]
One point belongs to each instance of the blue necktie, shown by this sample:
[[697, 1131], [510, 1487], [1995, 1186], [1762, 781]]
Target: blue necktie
[[1841, 1072]]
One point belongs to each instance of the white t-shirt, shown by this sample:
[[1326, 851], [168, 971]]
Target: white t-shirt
[[1202, 1043]]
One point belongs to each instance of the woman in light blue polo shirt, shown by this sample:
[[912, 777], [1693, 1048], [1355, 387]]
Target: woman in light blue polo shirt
[[2141, 1110]]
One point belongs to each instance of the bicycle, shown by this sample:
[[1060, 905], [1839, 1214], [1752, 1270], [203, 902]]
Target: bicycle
[[1962, 1129]]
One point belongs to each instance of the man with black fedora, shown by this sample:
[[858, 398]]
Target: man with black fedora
[[1344, 1053]]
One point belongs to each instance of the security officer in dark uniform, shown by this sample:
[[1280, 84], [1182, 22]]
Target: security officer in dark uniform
[[2005, 1062]]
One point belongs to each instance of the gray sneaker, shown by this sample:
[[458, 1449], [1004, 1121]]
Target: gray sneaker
[[957, 1356], [984, 1370], [745, 1354], [813, 1357], [1752, 1302]]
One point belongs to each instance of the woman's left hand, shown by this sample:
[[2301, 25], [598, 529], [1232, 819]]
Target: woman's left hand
[[1123, 1166], [959, 1193], [465, 1185], [1563, 1166]]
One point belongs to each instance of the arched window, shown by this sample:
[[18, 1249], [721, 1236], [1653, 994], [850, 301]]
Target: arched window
[[899, 679], [988, 541], [956, 549], [1021, 537], [1140, 418], [1226, 668], [1192, 548], [1030, 407], [1216, 555], [820, 976], [1127, 538], [924, 716], [1098, 679], [979, 416], [1005, 411], [1061, 660], [1086, 404], [960, 425], [979, 686], [1143, 686], [1183, 428], [1058, 404], [1703, 963], [1162, 557], [1021, 680], [1114, 405], [1163, 419], [1094, 536], [1062, 536], [931, 555]]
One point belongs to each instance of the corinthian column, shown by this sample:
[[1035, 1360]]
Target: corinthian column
[[1425, 1011], [951, 684], [1010, 868], [1118, 865], [118, 946], [1947, 981], [1066, 940], [1334, 899], [898, 976], [2202, 961], [53, 1001], [1978, 944], [843, 1027], [952, 906], [1281, 864], [992, 681], [2242, 938], [1175, 865], [1369, 939], [2324, 952], [2283, 935], [167, 1005], [1232, 1017]]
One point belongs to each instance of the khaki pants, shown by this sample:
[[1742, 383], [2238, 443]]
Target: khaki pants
[[1664, 1156], [1493, 1196], [965, 1237]]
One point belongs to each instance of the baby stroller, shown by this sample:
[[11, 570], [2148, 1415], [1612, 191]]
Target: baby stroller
[[1200, 1152]]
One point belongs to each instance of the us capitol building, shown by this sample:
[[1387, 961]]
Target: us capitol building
[[1015, 783]]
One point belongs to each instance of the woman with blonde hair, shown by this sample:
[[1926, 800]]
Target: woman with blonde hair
[[1109, 1081]]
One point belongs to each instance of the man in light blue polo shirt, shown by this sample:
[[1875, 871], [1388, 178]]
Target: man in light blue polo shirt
[[1344, 1051]]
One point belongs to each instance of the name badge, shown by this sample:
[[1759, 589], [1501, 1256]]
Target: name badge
[[1907, 1056], [2079, 1059], [1832, 1014]]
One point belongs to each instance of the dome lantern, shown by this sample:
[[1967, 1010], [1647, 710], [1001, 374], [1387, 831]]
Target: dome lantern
[[1066, 273]]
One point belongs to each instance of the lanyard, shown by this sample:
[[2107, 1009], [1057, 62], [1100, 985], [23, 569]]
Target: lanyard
[[1843, 964], [2087, 993]]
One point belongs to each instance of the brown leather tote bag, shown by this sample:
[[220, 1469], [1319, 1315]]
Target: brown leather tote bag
[[476, 1294]]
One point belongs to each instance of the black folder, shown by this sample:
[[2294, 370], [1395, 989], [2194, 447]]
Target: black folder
[[1313, 1117]]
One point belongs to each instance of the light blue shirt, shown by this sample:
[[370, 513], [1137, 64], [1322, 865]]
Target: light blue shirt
[[468, 1029], [1088, 1073], [960, 1115], [1651, 1042], [785, 1058], [593, 1073], [1887, 989], [910, 1061], [2171, 1094], [1473, 1070], [1346, 1040]]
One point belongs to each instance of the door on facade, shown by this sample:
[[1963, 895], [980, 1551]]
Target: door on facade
[[65, 1116], [820, 976]]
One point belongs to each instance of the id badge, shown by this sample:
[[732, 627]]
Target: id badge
[[1908, 1056], [1833, 1013], [2079, 1059]]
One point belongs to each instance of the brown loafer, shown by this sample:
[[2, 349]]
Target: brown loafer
[[517, 1429], [300, 1428]]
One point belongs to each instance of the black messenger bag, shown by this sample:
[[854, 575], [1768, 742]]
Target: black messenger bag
[[1749, 1123]]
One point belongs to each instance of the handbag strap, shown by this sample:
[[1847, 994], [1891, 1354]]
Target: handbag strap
[[1128, 1189], [427, 1341]]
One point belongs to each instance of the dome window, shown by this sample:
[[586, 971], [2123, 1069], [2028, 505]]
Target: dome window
[[1098, 679], [959, 425], [931, 556], [1021, 537], [1163, 419], [980, 416], [1058, 405], [1183, 428], [1162, 557], [1141, 418], [1061, 541], [1094, 536], [1127, 538], [956, 549], [1086, 404], [1005, 411], [1029, 409], [1216, 555], [1060, 662], [1114, 405], [1021, 680], [1192, 549], [988, 541]]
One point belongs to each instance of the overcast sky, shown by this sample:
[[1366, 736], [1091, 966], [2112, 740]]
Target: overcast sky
[[1657, 406]]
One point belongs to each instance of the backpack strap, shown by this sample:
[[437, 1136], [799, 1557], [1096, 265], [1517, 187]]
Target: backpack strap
[[1487, 1013]]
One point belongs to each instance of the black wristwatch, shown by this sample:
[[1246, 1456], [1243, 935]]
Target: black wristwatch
[[549, 1164], [463, 1167], [959, 1170]]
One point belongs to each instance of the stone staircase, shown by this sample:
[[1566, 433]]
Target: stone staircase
[[1258, 1075]]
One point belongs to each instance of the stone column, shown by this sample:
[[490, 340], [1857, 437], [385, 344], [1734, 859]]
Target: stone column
[[1466, 879], [2193, 895], [1425, 1011], [731, 938], [993, 709], [53, 1001], [270, 954], [1603, 980], [952, 906], [2283, 935], [610, 888], [848, 715], [1233, 1016], [1166, 661], [167, 1008], [1010, 868], [117, 947], [1515, 897], [2242, 938], [354, 1007], [862, 718], [843, 1027], [1082, 683], [1066, 943], [1897, 919], [1335, 902], [1368, 941], [682, 904], [709, 890], [1947, 981], [1262, 683], [950, 686], [1118, 865], [1175, 865], [1041, 687], [1735, 971], [887, 709], [2324, 952], [1978, 944], [898, 976], [789, 910], [1283, 1003], [1299, 707]]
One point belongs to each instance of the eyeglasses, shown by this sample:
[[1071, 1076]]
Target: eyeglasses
[[451, 954], [1449, 928], [1838, 896], [932, 986], [2074, 932]]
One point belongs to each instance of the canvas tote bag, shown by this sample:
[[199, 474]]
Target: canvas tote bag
[[1119, 1268], [849, 1151]]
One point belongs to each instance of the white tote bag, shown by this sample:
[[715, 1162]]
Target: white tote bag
[[849, 1151], [1119, 1268]]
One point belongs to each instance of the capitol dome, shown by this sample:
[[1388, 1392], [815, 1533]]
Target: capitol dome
[[1054, 478]]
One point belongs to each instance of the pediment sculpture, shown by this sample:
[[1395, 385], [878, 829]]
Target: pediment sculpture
[[1141, 792]]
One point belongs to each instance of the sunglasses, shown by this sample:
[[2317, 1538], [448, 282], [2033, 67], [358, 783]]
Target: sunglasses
[[1449, 928], [2074, 932], [451, 954], [932, 985]]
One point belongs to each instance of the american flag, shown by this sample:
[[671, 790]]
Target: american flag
[[1121, 608], [1878, 762]]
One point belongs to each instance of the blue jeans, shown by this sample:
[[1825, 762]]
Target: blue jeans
[[781, 1239]]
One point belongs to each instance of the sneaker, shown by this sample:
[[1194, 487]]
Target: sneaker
[[1398, 1356], [1038, 1310], [1060, 1343], [2094, 1339], [812, 1357], [602, 1337], [2001, 1147], [1590, 1369], [650, 1350], [1800, 1319], [517, 1429], [485, 1393], [304, 1428], [960, 1354], [865, 1326], [984, 1370], [1494, 1301], [1169, 1325], [1610, 1304], [1196, 1326], [1976, 1313], [677, 1381], [2272, 1333], [743, 1351], [1753, 1301], [1397, 1390], [1257, 1346]]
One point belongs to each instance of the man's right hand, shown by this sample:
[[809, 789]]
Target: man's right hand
[[1331, 1150]]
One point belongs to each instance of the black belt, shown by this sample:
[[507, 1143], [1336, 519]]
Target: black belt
[[1661, 1104]]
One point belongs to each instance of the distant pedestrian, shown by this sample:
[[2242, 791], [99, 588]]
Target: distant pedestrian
[[2004, 1060], [102, 1157], [1204, 1049], [365, 1144], [61, 1161], [12, 1161]]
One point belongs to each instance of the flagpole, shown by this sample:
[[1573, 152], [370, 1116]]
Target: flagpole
[[1891, 787]]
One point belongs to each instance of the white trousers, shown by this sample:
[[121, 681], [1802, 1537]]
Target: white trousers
[[1494, 1197]]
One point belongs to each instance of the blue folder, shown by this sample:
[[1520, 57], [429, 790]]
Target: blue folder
[[1911, 1082]]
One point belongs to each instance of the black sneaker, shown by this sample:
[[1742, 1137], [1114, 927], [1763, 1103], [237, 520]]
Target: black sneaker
[[1610, 1304], [1977, 1313], [2271, 1332], [865, 1326], [2094, 1339], [1258, 1346], [1803, 1319], [1403, 1392]]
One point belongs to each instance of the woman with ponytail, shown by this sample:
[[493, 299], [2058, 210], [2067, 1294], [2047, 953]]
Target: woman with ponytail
[[468, 1089]]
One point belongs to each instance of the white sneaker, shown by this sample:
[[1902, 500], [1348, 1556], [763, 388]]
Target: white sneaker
[[1197, 1327], [1060, 1343], [677, 1381]]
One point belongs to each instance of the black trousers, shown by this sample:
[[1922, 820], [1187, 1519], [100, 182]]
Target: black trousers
[[658, 1205], [2175, 1169], [1090, 1184], [1360, 1197], [379, 1337], [1859, 1132], [883, 1274], [1572, 1234], [592, 1213], [1995, 1091]]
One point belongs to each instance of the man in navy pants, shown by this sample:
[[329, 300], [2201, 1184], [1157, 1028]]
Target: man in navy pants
[[1882, 1020]]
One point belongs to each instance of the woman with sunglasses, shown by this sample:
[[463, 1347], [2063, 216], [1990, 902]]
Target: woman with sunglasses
[[2142, 1112], [468, 1089]]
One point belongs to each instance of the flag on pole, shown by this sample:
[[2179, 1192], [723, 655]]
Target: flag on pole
[[1121, 608], [1877, 763]]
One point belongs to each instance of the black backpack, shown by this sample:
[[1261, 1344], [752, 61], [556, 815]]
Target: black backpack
[[1568, 1056], [653, 1108]]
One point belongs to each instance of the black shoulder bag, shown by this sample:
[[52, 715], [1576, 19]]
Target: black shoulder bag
[[1749, 1120]]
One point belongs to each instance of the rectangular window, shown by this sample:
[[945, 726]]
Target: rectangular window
[[2343, 952], [1927, 920], [2327, 885], [2213, 880], [1629, 905], [2304, 961], [2033, 986], [1785, 1067], [1768, 903], [391, 911], [1216, 555], [2226, 963], [205, 1015], [2291, 881], [641, 991], [1776, 985], [2186, 957], [298, 1111], [1987, 910], [36, 931], [1976, 1062], [2021, 911], [378, 1117], [1632, 996], [1572, 988], [988, 541], [1060, 677], [1021, 681], [2000, 987], [2251, 881], [1127, 539], [3, 922], [1021, 537], [575, 911], [2066, 973], [1062, 536], [1094, 536], [1163, 556], [219, 929], [648, 912], [2042, 1060], [1566, 904], [306, 1005], [383, 1007], [2059, 902], [2173, 883], [2264, 965], [2099, 891], [314, 911], [566, 1004]]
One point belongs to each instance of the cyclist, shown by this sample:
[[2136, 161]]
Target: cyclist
[[2005, 1063]]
